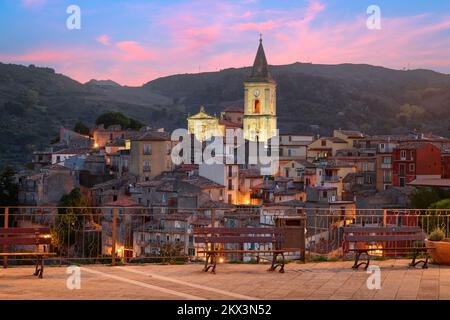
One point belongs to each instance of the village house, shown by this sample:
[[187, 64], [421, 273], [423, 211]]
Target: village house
[[445, 164], [45, 187], [353, 138], [41, 159], [150, 154], [415, 160], [248, 178], [294, 146], [302, 171], [223, 174], [102, 136], [120, 162], [111, 191], [177, 190], [71, 139], [277, 189], [325, 147], [58, 157], [129, 216]]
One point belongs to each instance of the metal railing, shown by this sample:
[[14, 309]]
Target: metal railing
[[161, 234]]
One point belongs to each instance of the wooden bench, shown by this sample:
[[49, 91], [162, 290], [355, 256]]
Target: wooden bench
[[411, 239], [216, 238], [26, 236]]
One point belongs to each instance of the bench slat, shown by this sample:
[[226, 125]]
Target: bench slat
[[5, 231], [236, 239], [240, 251], [375, 238], [238, 230], [404, 229], [389, 249], [35, 254], [25, 241]]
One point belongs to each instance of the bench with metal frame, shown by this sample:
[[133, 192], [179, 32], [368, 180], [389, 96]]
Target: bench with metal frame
[[11, 237], [370, 235], [216, 238]]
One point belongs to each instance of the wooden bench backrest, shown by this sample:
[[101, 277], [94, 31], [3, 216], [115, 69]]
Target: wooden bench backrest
[[24, 236], [373, 234], [238, 235]]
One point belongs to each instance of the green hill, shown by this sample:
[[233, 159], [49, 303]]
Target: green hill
[[35, 102]]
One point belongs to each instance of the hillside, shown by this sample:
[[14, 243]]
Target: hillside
[[34, 101]]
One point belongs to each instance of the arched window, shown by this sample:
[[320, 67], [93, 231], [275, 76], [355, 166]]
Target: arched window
[[257, 107]]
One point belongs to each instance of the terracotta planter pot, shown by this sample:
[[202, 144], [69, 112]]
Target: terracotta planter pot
[[439, 251]]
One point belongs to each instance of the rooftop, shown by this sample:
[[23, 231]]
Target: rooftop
[[430, 182], [153, 136]]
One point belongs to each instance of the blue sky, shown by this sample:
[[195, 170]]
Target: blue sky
[[132, 41]]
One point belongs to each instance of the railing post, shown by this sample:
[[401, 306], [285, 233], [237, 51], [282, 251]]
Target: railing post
[[384, 217], [213, 217], [113, 246], [6, 222]]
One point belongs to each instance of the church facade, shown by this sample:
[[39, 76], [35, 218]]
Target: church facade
[[259, 119]]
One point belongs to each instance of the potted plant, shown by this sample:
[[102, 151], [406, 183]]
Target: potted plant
[[438, 247]]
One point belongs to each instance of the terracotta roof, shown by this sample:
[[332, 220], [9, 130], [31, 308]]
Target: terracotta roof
[[227, 123], [234, 109], [430, 182], [305, 163], [352, 133], [154, 136], [203, 183], [250, 173], [124, 202]]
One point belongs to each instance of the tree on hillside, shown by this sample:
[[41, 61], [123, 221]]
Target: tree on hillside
[[81, 128], [29, 98], [117, 118], [8, 188]]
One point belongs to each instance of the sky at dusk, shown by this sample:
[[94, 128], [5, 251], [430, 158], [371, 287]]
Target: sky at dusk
[[134, 41]]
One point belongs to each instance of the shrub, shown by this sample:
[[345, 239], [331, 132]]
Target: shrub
[[437, 235]]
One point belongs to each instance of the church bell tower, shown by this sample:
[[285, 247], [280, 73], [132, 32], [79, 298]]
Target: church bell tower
[[260, 120]]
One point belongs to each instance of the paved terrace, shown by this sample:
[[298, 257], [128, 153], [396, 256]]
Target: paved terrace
[[321, 280]]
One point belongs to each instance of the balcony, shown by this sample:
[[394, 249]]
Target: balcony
[[386, 166]]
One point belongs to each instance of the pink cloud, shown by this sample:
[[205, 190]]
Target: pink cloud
[[104, 39], [33, 3], [217, 35], [132, 50], [259, 27]]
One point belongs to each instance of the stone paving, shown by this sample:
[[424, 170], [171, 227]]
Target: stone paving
[[321, 280]]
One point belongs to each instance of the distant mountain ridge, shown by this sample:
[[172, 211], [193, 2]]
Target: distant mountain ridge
[[34, 101]]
